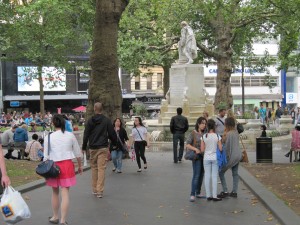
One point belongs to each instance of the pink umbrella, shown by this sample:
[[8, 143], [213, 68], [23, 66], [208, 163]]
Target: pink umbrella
[[80, 109]]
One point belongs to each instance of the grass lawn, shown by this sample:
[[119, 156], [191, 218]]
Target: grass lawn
[[282, 179], [21, 171]]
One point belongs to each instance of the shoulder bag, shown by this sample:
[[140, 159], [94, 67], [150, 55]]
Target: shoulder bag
[[48, 168], [240, 128], [244, 153], [123, 145], [190, 154], [144, 141], [221, 155]]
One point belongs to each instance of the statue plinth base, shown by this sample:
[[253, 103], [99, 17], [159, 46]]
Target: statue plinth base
[[186, 91]]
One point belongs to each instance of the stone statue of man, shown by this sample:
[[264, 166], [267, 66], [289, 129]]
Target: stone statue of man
[[187, 46]]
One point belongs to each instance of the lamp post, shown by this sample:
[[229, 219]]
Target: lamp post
[[243, 87]]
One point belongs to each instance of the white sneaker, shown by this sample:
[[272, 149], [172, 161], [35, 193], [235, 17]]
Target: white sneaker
[[114, 169], [139, 170]]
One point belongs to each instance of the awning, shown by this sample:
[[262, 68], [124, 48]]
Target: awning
[[53, 97], [153, 107]]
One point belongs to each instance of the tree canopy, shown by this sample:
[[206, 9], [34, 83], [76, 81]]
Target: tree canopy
[[43, 32], [225, 31]]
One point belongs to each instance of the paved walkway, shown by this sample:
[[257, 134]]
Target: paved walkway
[[159, 195]]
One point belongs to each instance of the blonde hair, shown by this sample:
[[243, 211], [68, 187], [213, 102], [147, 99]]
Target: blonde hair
[[24, 126], [230, 113], [183, 23]]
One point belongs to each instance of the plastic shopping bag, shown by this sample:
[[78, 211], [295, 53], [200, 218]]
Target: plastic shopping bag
[[132, 155], [84, 160], [13, 206]]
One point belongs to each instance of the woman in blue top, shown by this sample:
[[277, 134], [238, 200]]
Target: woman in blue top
[[139, 135]]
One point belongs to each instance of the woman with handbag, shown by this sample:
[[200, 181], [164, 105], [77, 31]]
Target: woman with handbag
[[193, 143], [233, 155], [62, 148], [117, 154], [139, 136]]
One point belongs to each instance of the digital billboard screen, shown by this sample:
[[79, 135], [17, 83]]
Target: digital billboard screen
[[54, 79]]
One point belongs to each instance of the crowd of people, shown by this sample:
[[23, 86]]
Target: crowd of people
[[102, 137]]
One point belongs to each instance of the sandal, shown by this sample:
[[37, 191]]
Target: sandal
[[53, 221]]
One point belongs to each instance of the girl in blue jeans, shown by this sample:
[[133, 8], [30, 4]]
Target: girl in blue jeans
[[117, 154], [209, 144], [193, 143]]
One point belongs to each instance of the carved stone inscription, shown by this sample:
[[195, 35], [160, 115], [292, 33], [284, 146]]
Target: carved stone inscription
[[177, 84]]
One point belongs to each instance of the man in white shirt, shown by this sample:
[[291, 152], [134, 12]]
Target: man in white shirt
[[7, 139], [220, 121]]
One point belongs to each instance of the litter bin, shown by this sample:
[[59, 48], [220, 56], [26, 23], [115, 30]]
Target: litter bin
[[264, 152]]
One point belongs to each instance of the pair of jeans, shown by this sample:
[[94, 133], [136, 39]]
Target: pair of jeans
[[262, 120], [211, 174], [116, 157], [198, 174], [139, 148], [235, 179], [176, 138], [98, 160]]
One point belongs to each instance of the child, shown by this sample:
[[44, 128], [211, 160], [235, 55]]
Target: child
[[263, 133]]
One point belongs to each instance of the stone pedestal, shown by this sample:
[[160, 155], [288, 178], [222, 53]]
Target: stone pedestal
[[187, 83], [186, 91]]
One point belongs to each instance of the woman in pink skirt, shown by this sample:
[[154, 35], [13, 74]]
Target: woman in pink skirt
[[63, 148]]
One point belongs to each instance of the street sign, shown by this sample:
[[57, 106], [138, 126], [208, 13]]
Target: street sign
[[14, 104], [291, 98]]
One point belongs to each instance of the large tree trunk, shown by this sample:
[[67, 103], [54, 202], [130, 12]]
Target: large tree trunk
[[104, 83], [223, 96], [42, 101]]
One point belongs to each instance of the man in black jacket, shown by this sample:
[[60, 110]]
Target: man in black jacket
[[97, 131], [178, 126]]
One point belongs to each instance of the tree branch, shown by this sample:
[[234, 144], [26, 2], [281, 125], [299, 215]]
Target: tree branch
[[254, 18], [208, 52]]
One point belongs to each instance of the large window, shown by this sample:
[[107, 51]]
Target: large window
[[159, 80], [149, 82], [137, 83], [249, 81], [210, 81], [235, 81]]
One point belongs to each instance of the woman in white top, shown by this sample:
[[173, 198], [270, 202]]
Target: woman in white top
[[210, 142], [139, 136], [63, 148]]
